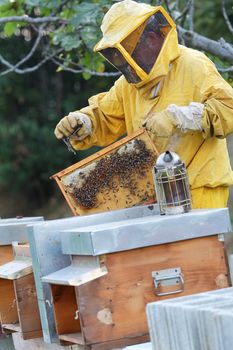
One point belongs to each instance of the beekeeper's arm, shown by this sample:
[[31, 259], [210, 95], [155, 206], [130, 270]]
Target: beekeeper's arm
[[101, 123], [213, 116]]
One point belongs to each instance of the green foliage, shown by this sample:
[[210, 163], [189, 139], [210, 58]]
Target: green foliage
[[69, 41], [220, 64], [31, 105], [77, 36], [81, 34], [75, 39], [10, 28], [209, 19]]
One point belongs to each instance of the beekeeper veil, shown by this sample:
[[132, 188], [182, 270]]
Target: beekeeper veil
[[135, 51]]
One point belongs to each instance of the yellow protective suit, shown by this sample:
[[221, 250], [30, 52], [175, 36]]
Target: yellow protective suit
[[184, 76]]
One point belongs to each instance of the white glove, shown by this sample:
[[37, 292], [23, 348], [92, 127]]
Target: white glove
[[67, 126], [188, 117]]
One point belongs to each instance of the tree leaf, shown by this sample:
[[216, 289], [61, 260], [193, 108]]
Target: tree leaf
[[59, 69], [85, 13], [86, 75], [89, 36], [9, 28]]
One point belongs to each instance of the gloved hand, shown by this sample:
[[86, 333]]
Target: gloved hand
[[162, 126], [68, 124], [187, 117]]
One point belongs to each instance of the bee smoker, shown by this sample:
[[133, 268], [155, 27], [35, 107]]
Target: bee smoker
[[171, 184]]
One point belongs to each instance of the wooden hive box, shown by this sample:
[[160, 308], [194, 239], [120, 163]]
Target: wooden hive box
[[12, 230], [19, 311], [117, 268], [8, 312], [119, 176], [45, 241]]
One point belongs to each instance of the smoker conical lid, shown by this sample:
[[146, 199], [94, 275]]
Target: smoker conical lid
[[168, 159]]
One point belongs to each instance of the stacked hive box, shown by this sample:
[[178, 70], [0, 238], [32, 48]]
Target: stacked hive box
[[20, 312], [94, 274], [118, 267], [47, 257], [15, 230]]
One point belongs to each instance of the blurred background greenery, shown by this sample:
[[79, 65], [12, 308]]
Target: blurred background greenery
[[31, 104]]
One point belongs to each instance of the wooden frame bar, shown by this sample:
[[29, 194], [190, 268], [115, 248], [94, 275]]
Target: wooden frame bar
[[119, 198]]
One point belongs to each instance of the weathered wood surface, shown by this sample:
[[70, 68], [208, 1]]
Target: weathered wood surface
[[38, 344], [27, 307], [45, 241], [8, 310], [113, 307], [6, 254], [11, 327], [65, 308], [75, 338]]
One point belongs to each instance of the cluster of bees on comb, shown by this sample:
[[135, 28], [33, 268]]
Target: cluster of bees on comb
[[122, 168]]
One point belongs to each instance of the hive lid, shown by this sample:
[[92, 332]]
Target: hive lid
[[81, 271], [142, 232], [15, 269]]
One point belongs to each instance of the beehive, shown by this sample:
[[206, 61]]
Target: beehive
[[119, 176], [119, 266]]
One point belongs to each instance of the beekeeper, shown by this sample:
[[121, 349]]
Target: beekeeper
[[175, 92]]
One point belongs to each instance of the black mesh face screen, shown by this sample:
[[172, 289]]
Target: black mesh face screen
[[145, 47], [115, 57]]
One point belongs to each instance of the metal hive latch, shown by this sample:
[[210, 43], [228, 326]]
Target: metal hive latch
[[169, 277]]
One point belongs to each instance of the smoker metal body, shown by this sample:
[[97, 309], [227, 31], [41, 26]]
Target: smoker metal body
[[171, 184], [117, 267]]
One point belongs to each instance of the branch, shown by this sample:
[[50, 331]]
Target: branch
[[168, 8], [26, 58], [226, 45], [177, 4], [225, 15], [31, 20], [225, 70], [218, 48], [13, 68], [184, 11], [84, 70], [33, 49], [191, 10]]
